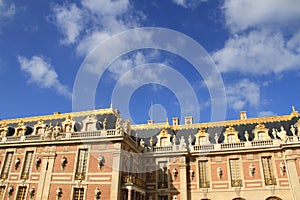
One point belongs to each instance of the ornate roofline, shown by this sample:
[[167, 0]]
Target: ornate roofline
[[257, 120], [57, 115]]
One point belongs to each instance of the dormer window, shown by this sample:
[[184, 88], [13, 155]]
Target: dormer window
[[261, 133], [163, 138], [202, 137], [261, 136], [231, 138], [164, 142], [231, 135], [202, 140], [89, 123]]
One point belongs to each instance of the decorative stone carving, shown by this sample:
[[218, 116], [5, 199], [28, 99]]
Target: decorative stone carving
[[293, 130], [219, 172], [251, 170], [216, 138], [261, 132], [282, 134], [97, 193], [182, 144], [48, 132], [17, 163], [282, 168], [297, 125], [63, 162], [202, 137], [247, 136], [142, 143], [174, 139], [89, 123], [190, 139], [127, 126], [68, 124], [3, 130], [38, 161], [192, 174], [56, 131], [104, 123], [20, 130], [39, 128], [274, 133], [231, 135], [151, 141]]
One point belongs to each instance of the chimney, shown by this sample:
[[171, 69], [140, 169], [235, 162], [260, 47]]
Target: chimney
[[175, 121], [243, 115], [188, 120]]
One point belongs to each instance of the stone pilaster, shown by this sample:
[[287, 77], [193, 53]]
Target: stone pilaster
[[292, 175], [183, 179], [115, 179], [45, 175]]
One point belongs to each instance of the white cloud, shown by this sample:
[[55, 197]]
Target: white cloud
[[266, 114], [188, 3], [244, 14], [91, 22], [258, 52], [7, 10], [107, 7], [243, 93], [265, 37], [70, 21], [42, 73]]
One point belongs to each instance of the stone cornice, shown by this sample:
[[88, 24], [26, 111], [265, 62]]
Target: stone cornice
[[57, 115], [261, 120]]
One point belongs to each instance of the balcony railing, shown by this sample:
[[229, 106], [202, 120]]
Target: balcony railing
[[64, 136], [133, 180], [233, 145]]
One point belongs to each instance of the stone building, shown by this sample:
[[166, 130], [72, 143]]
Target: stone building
[[98, 155]]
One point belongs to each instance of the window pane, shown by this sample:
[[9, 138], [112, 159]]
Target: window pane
[[203, 174], [235, 173], [7, 165], [27, 165], [268, 171], [81, 164]]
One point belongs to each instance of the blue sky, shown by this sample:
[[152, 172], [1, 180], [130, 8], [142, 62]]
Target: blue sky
[[255, 45]]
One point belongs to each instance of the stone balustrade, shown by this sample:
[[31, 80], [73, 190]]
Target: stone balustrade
[[133, 180], [63, 136], [171, 148]]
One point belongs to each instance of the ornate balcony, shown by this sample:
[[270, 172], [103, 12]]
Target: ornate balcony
[[133, 180]]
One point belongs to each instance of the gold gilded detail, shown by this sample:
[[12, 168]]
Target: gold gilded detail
[[60, 116]]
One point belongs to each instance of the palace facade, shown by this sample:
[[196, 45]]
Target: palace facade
[[97, 155]]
